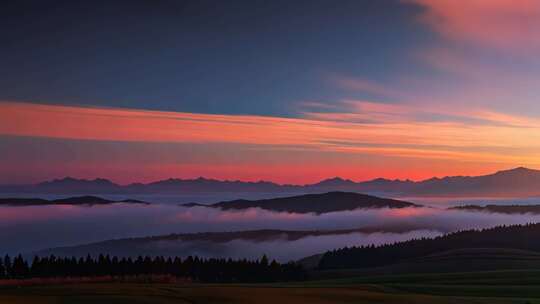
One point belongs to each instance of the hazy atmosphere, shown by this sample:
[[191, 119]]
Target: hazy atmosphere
[[32, 228]]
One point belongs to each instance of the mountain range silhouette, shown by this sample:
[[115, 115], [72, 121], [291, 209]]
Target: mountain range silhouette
[[518, 182]]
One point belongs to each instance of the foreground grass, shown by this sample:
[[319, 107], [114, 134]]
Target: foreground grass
[[117, 293], [500, 277], [498, 287]]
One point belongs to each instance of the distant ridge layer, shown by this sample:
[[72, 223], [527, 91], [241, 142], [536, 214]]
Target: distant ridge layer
[[518, 182]]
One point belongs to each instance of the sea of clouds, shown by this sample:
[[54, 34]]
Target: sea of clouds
[[27, 229]]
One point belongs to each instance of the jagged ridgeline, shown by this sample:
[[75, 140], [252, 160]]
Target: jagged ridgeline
[[518, 182], [519, 237]]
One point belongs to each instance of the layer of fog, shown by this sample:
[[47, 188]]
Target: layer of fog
[[280, 249], [24, 229], [210, 198], [284, 251], [442, 202]]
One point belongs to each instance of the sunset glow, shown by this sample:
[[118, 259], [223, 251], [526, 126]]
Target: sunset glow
[[392, 133]]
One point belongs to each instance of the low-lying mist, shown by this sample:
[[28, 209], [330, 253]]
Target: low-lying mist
[[28, 229], [280, 249]]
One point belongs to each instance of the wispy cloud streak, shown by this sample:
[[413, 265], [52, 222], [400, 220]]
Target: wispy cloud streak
[[369, 128]]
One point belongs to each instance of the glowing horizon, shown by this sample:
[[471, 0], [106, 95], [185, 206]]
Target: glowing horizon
[[323, 133]]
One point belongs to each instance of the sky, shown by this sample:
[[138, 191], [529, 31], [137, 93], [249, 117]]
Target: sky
[[287, 91]]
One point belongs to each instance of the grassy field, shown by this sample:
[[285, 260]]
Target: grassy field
[[479, 287], [523, 284], [425, 280], [157, 293]]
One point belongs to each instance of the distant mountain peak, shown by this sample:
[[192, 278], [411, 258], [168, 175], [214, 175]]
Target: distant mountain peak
[[101, 180], [517, 170], [336, 178], [70, 184], [335, 181], [382, 180], [69, 179]]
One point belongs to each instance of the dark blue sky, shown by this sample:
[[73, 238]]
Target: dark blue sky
[[231, 57]]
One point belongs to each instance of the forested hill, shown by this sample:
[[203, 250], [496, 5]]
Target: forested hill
[[522, 237], [316, 203]]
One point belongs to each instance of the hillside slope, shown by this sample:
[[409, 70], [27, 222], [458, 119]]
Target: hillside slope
[[507, 237]]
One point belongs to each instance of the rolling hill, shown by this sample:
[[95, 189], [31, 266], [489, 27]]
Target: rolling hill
[[450, 261], [517, 237], [316, 203]]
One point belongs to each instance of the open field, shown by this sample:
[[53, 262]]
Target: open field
[[420, 280], [481, 260], [499, 284], [479, 287]]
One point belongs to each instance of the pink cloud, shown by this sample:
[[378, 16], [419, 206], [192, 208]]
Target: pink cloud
[[386, 113], [364, 111], [502, 24]]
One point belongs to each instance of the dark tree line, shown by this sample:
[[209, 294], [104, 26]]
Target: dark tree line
[[197, 269], [524, 237]]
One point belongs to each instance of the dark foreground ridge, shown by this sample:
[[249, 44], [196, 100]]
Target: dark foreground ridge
[[78, 200], [516, 237], [316, 203]]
